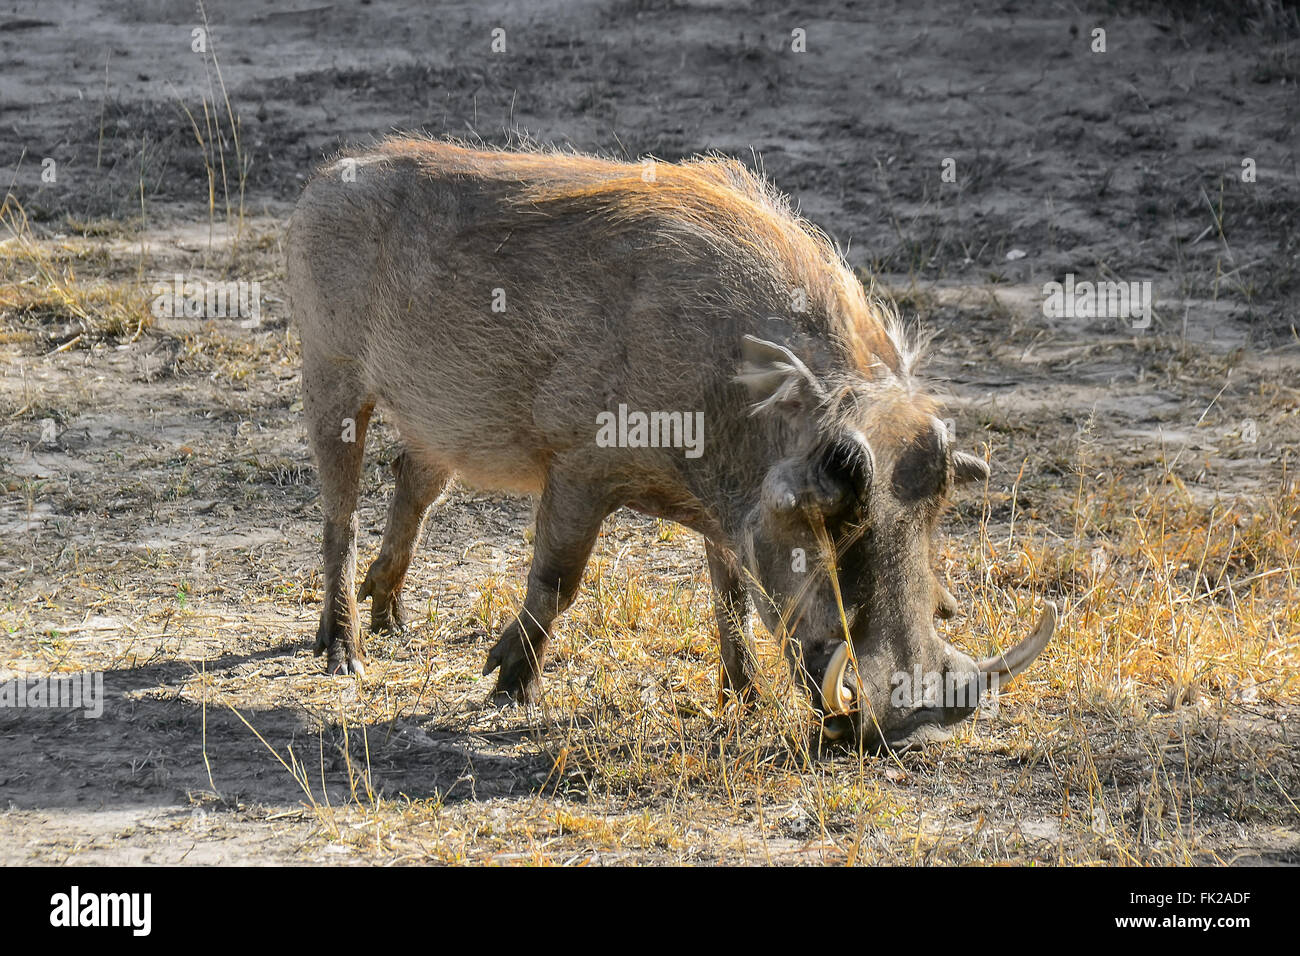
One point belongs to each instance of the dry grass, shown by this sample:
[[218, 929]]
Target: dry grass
[[1154, 730], [1137, 728], [42, 295]]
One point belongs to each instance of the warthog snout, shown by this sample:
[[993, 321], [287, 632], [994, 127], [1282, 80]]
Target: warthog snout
[[916, 702]]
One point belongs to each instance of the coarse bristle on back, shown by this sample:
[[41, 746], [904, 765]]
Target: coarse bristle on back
[[710, 202], [745, 220]]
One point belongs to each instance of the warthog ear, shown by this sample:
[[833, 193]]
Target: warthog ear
[[776, 377], [967, 467]]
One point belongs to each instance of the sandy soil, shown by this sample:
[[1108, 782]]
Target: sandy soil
[[163, 527]]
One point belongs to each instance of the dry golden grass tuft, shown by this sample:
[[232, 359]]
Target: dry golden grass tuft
[[40, 287]]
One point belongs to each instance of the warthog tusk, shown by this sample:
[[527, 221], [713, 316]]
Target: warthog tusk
[[835, 696], [1014, 661]]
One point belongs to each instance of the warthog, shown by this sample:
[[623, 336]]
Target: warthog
[[514, 312]]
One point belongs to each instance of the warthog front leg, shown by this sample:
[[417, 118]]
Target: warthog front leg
[[731, 608], [568, 521], [418, 486]]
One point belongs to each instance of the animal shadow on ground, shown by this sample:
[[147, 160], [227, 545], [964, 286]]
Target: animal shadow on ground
[[155, 744]]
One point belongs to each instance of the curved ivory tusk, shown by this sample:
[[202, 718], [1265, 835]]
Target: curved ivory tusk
[[835, 696], [1014, 661]]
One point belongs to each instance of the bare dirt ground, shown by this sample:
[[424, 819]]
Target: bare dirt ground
[[158, 520]]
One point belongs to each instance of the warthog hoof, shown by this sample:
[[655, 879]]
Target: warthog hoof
[[738, 693], [342, 664], [738, 700], [518, 681], [386, 611], [344, 656]]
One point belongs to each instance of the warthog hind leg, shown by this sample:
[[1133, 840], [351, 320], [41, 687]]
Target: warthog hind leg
[[337, 416]]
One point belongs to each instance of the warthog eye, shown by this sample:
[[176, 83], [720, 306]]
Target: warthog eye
[[836, 475], [843, 472], [921, 470]]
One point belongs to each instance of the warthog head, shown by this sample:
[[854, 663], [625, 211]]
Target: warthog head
[[837, 550]]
